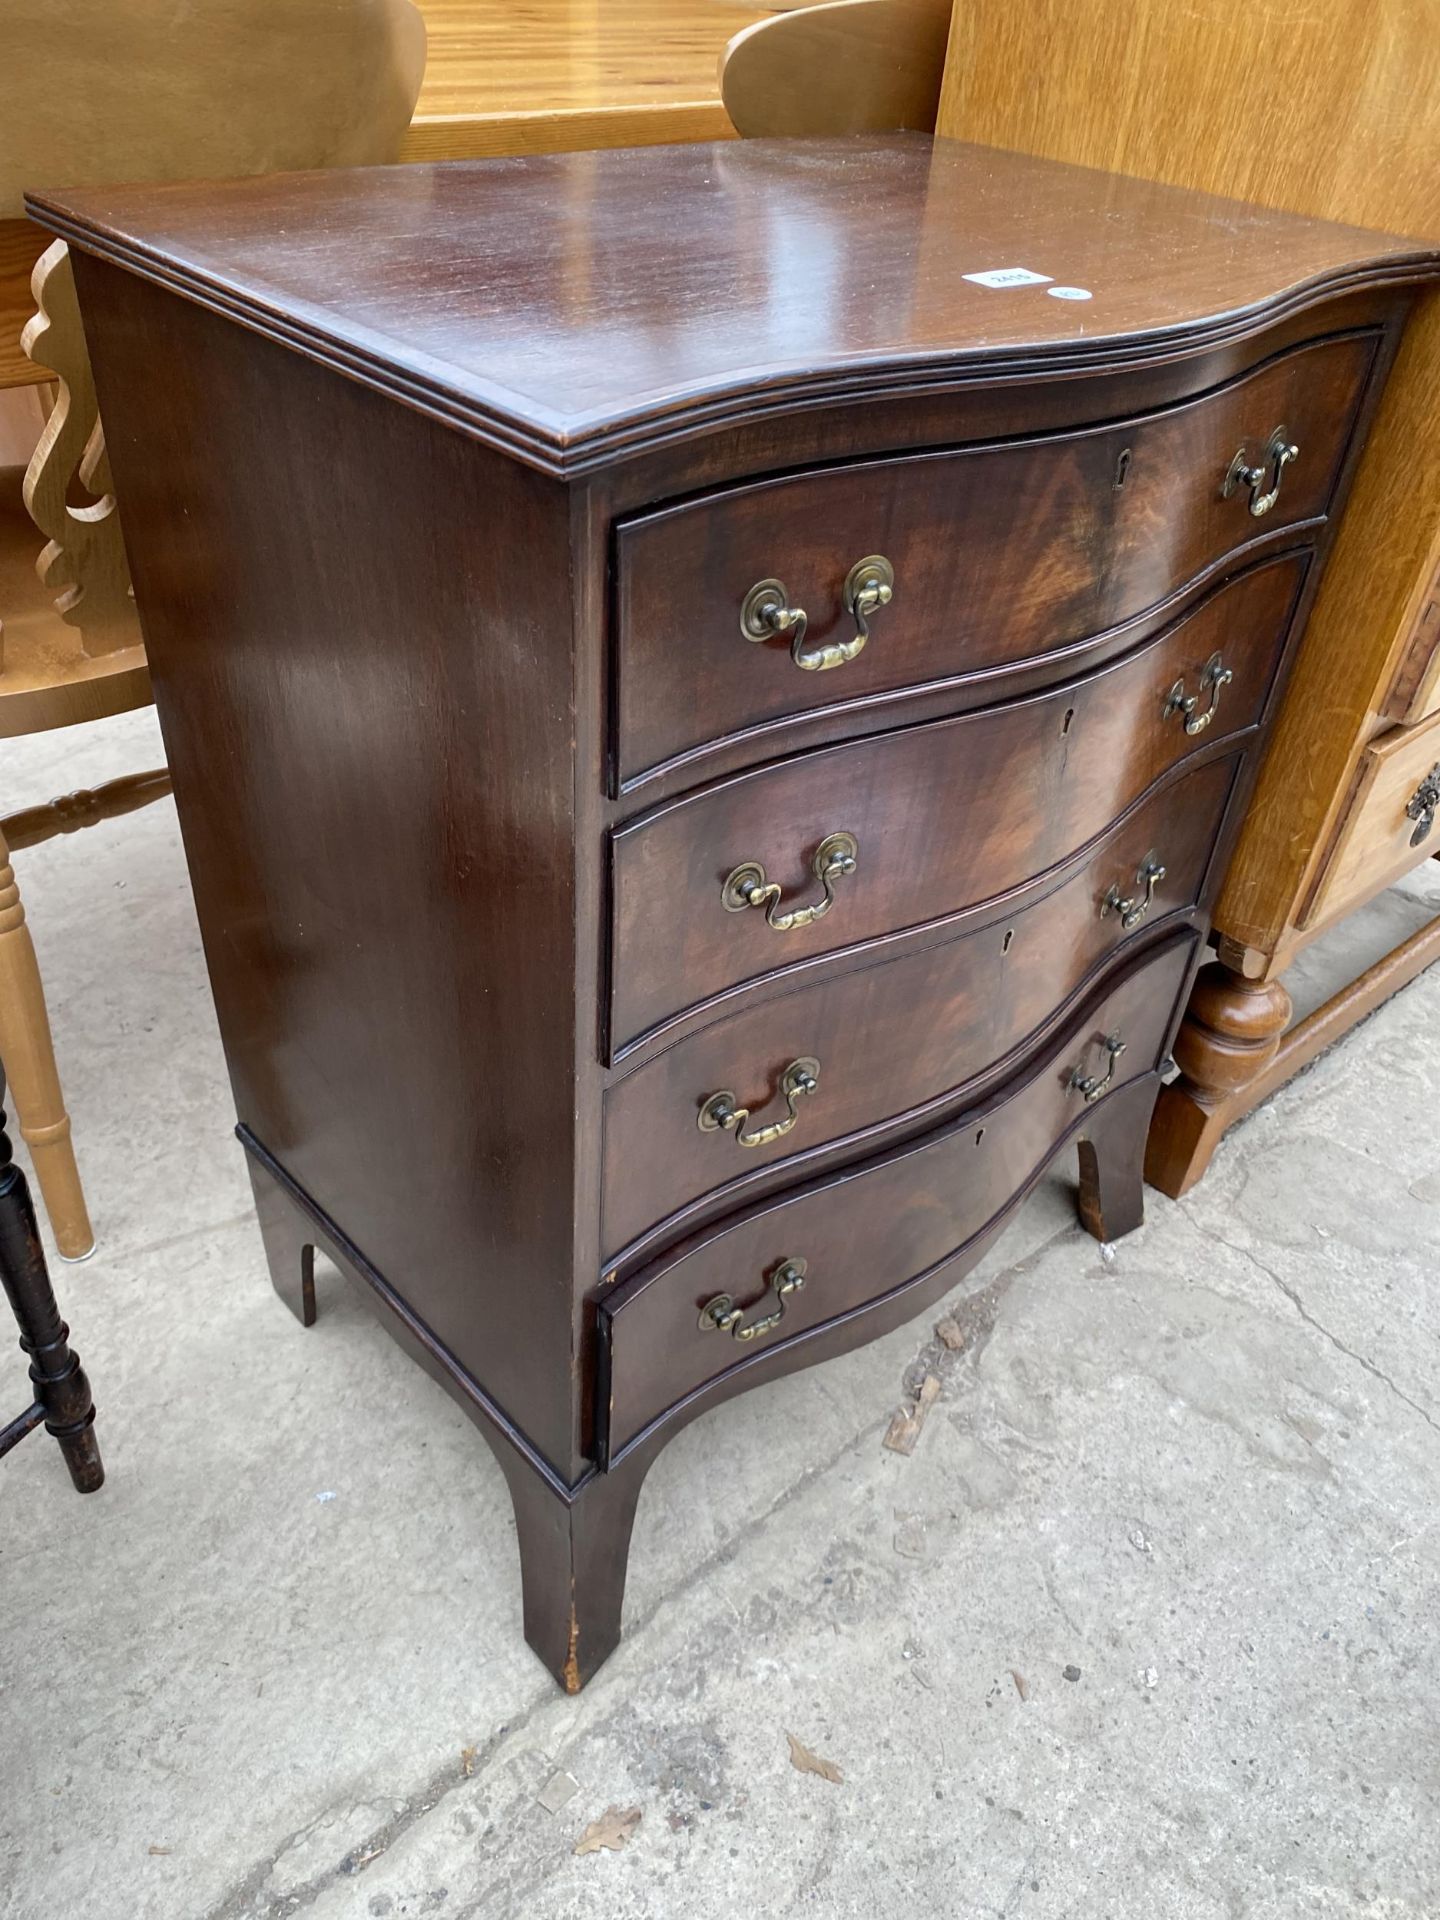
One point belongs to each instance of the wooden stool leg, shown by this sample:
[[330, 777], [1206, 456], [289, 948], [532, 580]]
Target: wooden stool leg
[[55, 1371], [1111, 1200], [1230, 1034], [29, 1059], [572, 1565]]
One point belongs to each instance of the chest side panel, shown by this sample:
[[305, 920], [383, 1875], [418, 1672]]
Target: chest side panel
[[367, 707]]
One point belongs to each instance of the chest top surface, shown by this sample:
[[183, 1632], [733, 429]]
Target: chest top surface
[[574, 307]]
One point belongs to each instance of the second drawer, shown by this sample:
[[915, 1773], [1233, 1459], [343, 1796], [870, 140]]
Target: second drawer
[[895, 1037]]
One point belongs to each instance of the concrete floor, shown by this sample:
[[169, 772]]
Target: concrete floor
[[1146, 1627]]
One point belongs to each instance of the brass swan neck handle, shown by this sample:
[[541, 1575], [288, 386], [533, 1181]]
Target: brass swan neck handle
[[721, 1113], [721, 1315], [834, 859], [766, 611]]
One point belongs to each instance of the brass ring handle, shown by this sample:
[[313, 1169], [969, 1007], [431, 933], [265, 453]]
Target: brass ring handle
[[721, 1315], [1148, 876], [1087, 1084], [1423, 804], [766, 611], [835, 859], [720, 1114], [1214, 675], [1279, 452]]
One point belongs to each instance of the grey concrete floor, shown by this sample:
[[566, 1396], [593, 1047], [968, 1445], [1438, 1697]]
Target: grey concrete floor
[[275, 1667]]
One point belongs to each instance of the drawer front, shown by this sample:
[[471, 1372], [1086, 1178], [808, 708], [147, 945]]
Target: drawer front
[[941, 817], [897, 1035], [1000, 554], [1389, 824], [869, 1230]]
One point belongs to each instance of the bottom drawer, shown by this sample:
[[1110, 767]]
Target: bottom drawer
[[691, 1318], [1388, 826]]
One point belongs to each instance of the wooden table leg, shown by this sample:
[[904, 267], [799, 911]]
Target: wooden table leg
[[1230, 1034], [29, 1061], [62, 1393]]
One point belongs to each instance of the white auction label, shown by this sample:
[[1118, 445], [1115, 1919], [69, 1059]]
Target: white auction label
[[1007, 277], [1069, 293]]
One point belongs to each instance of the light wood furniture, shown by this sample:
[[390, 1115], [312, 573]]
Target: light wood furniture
[[1336, 114], [662, 924], [562, 75], [845, 66], [147, 94]]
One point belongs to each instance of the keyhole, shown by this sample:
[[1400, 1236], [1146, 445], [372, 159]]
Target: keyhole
[[979, 1135], [1005, 943], [1122, 467], [1065, 723]]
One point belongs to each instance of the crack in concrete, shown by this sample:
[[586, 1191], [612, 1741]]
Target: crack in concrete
[[1292, 1294], [244, 1902], [247, 1899]]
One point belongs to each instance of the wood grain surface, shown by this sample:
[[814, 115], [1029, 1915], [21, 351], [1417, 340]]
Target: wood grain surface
[[869, 1230], [1001, 555], [369, 613], [546, 76], [1079, 754], [1334, 111], [899, 1036], [520, 325]]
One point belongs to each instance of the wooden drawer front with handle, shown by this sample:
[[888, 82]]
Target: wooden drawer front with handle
[[834, 848], [1389, 825], [893, 1037], [798, 1261], [958, 563]]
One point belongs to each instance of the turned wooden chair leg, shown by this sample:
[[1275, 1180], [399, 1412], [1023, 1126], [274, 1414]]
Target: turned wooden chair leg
[[63, 1401], [29, 1058], [1231, 1032], [1111, 1200]]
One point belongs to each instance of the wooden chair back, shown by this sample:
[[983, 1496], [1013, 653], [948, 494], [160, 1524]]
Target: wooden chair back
[[850, 66], [101, 90]]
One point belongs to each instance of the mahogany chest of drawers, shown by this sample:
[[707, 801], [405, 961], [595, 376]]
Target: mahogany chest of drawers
[[709, 690]]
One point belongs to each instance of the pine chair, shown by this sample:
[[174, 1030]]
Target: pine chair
[[91, 91]]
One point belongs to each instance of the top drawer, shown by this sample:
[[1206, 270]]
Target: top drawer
[[1000, 553]]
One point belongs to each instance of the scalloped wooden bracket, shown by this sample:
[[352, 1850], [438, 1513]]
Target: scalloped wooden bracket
[[85, 556]]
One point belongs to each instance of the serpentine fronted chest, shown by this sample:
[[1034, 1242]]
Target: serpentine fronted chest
[[709, 690]]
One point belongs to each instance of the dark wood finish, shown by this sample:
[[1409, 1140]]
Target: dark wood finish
[[375, 434], [1000, 554], [869, 1229], [63, 1402], [899, 1039], [574, 307], [1079, 755]]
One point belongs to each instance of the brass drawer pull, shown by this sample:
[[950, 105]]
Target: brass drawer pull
[[1214, 675], [720, 1114], [1148, 876], [1086, 1084], [1279, 452], [721, 1315], [835, 859], [766, 611], [1423, 804]]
